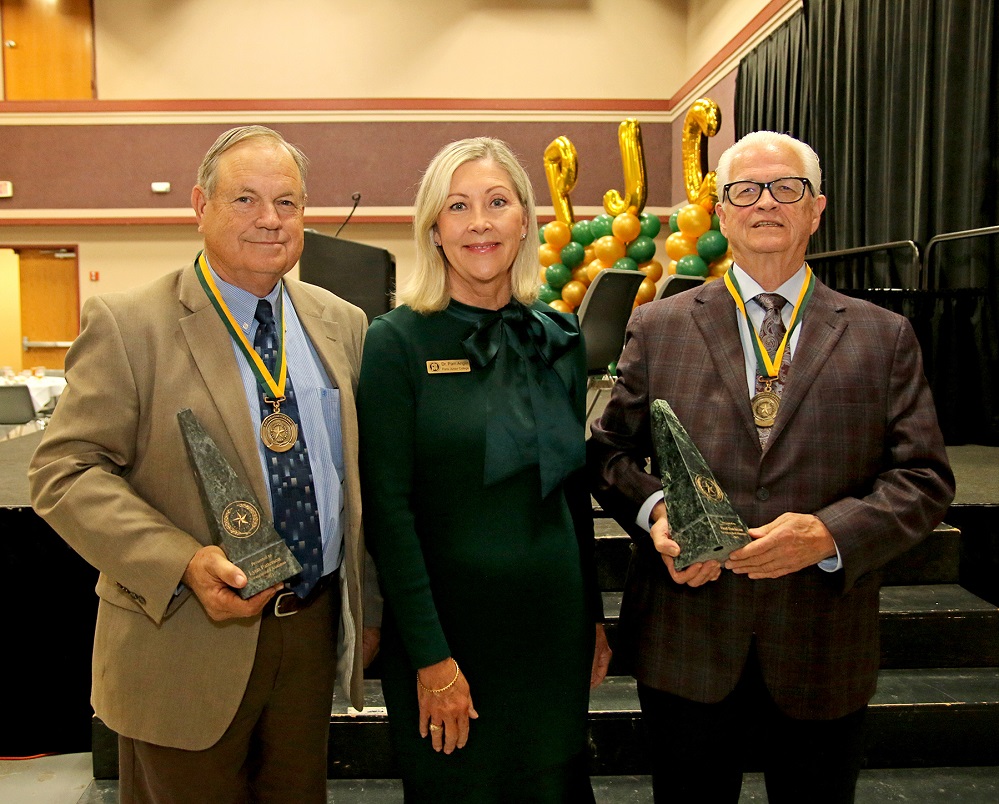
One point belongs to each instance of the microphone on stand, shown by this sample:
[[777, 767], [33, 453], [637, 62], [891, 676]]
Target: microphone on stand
[[356, 198]]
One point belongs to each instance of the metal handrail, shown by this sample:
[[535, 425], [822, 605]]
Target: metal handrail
[[44, 344], [962, 235], [894, 244]]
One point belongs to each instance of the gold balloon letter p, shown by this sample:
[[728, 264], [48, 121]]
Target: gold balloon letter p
[[560, 169]]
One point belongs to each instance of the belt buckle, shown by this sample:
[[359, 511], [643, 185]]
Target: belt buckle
[[277, 605]]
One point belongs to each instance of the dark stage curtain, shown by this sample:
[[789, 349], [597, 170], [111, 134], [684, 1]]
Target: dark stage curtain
[[898, 99]]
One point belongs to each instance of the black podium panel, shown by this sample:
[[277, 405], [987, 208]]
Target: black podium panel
[[361, 274], [48, 639]]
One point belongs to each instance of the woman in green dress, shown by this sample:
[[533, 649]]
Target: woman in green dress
[[471, 408]]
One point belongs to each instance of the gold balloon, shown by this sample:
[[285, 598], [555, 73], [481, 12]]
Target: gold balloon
[[653, 269], [594, 267], [646, 291], [572, 293], [720, 266], [561, 166], [702, 121], [548, 254], [629, 136]]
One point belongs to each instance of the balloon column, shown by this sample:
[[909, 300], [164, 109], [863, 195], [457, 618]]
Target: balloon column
[[573, 252], [695, 245]]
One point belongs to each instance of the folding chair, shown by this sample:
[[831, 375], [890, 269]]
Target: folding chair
[[603, 319], [16, 408], [677, 283]]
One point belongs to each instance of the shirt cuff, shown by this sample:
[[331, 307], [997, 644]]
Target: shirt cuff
[[642, 520], [832, 563]]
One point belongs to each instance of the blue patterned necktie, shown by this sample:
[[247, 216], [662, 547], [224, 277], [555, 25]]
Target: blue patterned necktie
[[289, 475], [772, 332]]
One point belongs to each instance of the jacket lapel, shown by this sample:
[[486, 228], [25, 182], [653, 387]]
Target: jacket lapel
[[323, 331], [208, 341], [821, 329], [714, 316]]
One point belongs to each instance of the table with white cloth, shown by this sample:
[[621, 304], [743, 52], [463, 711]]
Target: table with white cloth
[[42, 389]]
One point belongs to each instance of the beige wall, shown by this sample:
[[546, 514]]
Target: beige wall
[[710, 24], [155, 49]]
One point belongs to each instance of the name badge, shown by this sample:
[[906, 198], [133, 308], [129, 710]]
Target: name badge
[[448, 366]]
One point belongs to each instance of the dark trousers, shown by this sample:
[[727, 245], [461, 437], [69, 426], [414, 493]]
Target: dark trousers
[[698, 752], [275, 748]]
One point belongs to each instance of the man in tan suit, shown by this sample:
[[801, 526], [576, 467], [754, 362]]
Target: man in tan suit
[[215, 698]]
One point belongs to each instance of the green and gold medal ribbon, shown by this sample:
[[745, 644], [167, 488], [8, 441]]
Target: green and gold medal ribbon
[[770, 369], [275, 388]]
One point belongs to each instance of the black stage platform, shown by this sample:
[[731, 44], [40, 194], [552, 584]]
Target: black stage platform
[[50, 609], [51, 605]]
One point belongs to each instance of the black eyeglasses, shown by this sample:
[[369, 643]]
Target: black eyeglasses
[[788, 190]]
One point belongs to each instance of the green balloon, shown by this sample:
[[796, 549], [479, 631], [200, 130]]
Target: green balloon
[[612, 369], [541, 234], [548, 294], [626, 264], [581, 233], [715, 222], [601, 226], [673, 225], [642, 248], [691, 265], [557, 275], [711, 245], [572, 254], [651, 225]]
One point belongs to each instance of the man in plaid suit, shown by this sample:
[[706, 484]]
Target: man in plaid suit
[[775, 651]]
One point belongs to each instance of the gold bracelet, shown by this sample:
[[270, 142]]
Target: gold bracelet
[[457, 672]]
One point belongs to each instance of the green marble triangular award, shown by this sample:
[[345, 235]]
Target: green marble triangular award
[[237, 521], [701, 518]]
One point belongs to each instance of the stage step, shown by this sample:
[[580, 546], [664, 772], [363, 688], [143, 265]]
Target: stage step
[[922, 785], [942, 625], [918, 718], [936, 559]]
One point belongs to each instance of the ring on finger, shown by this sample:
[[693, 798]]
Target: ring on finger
[[435, 727]]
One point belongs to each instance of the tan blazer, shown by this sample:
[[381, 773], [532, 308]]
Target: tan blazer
[[112, 477]]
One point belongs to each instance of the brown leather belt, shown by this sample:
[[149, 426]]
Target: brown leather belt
[[286, 602]]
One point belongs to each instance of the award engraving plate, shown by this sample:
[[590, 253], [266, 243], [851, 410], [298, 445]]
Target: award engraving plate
[[235, 518], [701, 518]]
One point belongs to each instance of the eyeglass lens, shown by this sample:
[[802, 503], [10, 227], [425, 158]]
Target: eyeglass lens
[[785, 191]]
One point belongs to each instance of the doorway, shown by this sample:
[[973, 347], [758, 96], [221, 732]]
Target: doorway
[[48, 49], [50, 304]]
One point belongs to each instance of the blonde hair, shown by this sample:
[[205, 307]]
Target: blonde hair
[[427, 290], [771, 139]]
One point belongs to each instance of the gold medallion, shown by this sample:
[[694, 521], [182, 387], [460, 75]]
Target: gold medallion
[[278, 432], [765, 406]]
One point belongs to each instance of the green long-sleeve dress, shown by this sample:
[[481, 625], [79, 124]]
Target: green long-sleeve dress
[[471, 430]]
